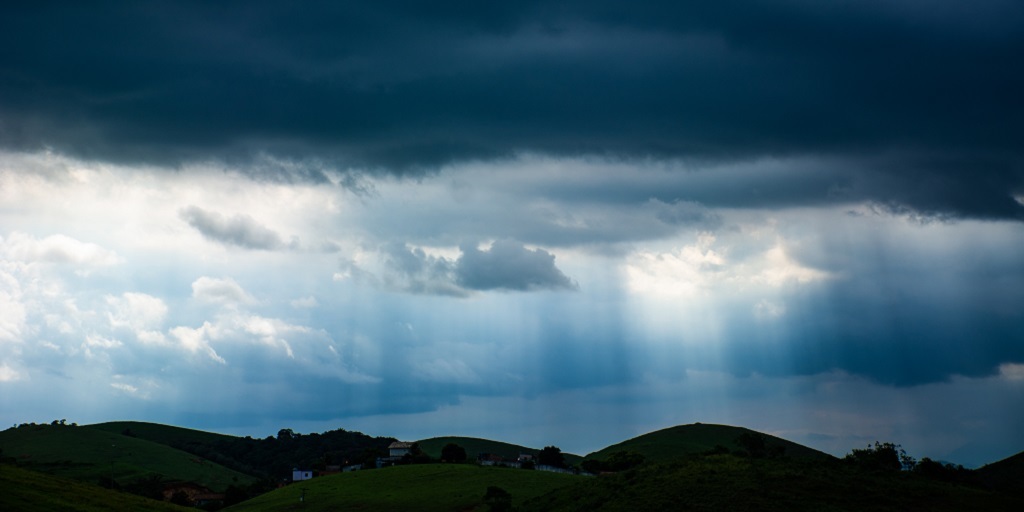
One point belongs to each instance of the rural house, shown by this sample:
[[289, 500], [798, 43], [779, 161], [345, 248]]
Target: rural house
[[399, 449]]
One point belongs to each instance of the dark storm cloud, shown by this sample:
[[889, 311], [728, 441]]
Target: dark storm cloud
[[506, 265], [238, 230], [401, 86]]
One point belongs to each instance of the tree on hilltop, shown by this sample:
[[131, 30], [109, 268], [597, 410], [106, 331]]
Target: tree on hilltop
[[882, 456], [551, 456]]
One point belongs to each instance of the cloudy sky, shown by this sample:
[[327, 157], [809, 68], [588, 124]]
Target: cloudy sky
[[549, 222]]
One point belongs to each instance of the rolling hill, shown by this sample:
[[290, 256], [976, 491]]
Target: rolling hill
[[674, 442], [426, 488], [1005, 475], [30, 491], [270, 458], [168, 435], [474, 446], [90, 455]]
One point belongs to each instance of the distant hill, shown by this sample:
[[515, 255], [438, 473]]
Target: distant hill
[[89, 455], [423, 488], [729, 482], [270, 458], [674, 442], [1007, 474], [30, 491], [474, 446]]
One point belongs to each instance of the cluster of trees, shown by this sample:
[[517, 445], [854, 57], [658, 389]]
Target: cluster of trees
[[55, 423], [892, 457], [272, 458], [882, 457], [551, 456]]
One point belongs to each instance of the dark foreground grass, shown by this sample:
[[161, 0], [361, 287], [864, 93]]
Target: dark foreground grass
[[428, 487], [22, 490], [727, 482]]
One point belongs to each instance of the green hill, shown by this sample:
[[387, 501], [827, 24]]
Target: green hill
[[90, 455], [674, 442], [30, 491], [1007, 474], [164, 434], [271, 458], [474, 446], [426, 488], [729, 482]]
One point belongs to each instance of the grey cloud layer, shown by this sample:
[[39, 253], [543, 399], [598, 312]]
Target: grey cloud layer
[[924, 96]]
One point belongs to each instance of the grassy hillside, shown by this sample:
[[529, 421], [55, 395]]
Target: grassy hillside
[[674, 442], [89, 454], [29, 491], [728, 482], [427, 488], [473, 446], [1007, 474], [164, 434], [270, 458]]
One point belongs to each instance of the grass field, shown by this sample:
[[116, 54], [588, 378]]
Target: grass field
[[727, 482], [674, 442], [428, 488], [473, 446], [22, 490], [89, 454]]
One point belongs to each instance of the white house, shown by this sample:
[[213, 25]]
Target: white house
[[301, 474], [399, 449]]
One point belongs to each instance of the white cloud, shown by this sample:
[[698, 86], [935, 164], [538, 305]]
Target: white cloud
[[196, 340], [12, 311], [304, 302], [127, 388], [685, 272], [1012, 371], [58, 249], [97, 341], [768, 310], [270, 331], [137, 311], [778, 269], [224, 291], [8, 374], [705, 267]]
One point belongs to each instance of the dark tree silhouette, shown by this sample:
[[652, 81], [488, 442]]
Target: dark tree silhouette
[[551, 456], [453, 453], [882, 457]]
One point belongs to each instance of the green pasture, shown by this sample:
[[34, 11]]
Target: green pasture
[[426, 488]]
